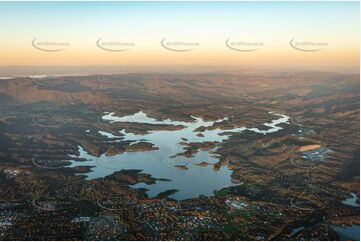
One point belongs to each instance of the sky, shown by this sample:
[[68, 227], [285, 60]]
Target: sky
[[265, 28]]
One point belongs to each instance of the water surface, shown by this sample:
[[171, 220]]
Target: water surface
[[161, 163], [352, 201]]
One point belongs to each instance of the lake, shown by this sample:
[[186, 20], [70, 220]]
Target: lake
[[196, 180]]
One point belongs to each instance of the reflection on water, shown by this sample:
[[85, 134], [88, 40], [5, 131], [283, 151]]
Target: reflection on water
[[194, 181]]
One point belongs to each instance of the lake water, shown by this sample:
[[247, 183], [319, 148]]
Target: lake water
[[352, 201], [159, 163], [296, 230], [348, 232]]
